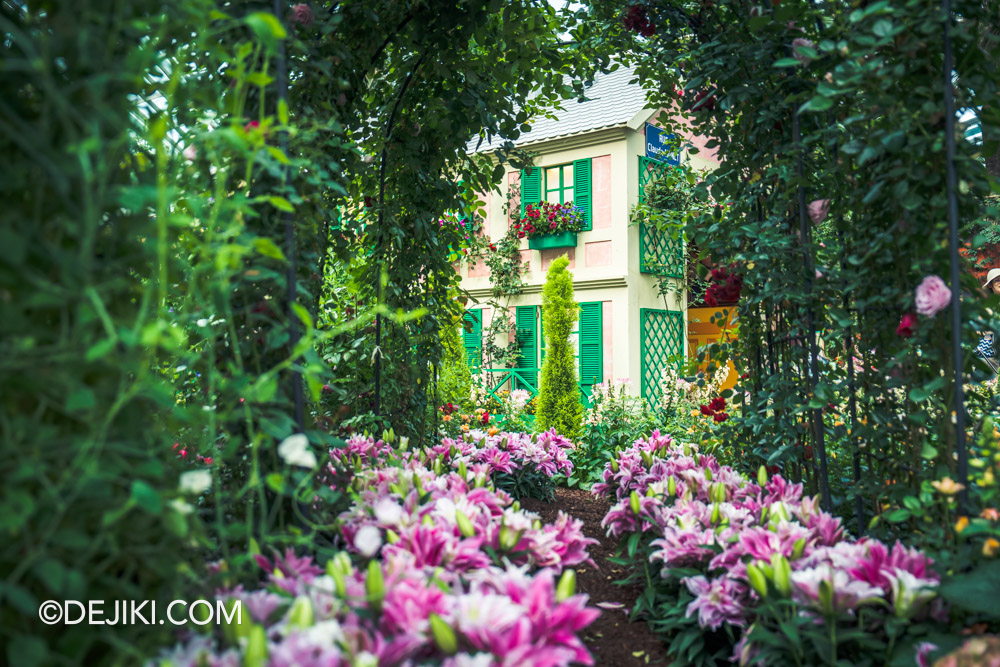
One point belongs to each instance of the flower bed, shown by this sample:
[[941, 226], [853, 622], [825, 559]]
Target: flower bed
[[437, 567], [770, 578]]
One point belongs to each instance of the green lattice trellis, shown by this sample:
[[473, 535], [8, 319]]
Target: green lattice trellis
[[661, 341], [659, 254]]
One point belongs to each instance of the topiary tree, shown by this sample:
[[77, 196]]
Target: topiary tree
[[559, 404]]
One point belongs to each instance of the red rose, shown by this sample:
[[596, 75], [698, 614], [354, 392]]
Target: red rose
[[707, 411], [302, 13], [717, 404], [907, 325], [721, 417]]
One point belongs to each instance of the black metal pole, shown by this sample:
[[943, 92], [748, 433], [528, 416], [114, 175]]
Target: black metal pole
[[956, 288], [817, 415], [290, 250]]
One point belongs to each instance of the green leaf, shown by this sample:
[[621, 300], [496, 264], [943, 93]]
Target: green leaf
[[896, 516], [281, 204], [260, 79], [268, 248], [818, 103], [80, 400], [280, 156], [146, 497], [976, 591], [266, 26], [787, 62], [265, 388]]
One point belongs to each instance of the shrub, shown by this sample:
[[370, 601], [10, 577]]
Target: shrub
[[559, 404]]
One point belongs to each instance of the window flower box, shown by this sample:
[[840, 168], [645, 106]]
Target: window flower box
[[557, 240], [549, 225]]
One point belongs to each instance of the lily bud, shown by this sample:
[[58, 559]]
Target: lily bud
[[567, 585], [757, 580], [426, 520], [438, 468], [614, 465], [762, 476], [509, 537], [647, 458], [404, 442], [339, 586], [443, 635], [238, 628], [516, 506], [391, 536], [465, 526], [708, 474], [650, 492], [301, 614], [826, 597], [782, 574], [375, 585], [716, 514], [463, 470], [633, 502], [799, 548], [671, 486], [255, 654]]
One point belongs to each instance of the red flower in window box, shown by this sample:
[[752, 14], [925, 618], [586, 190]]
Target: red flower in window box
[[717, 404]]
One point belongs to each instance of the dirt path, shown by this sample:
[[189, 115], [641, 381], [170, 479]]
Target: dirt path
[[613, 641]]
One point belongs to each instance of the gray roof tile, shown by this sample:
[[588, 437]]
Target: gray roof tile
[[612, 101]]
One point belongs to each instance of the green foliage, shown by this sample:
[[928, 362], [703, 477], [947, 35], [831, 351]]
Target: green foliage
[[182, 256], [454, 378], [615, 419], [559, 404], [831, 124]]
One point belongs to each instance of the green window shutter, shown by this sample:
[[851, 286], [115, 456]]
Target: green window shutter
[[582, 191], [591, 337], [527, 341], [472, 338], [531, 187], [541, 337]]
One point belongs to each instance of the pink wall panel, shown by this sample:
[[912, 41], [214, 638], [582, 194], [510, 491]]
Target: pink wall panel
[[526, 259], [601, 191], [597, 253], [551, 254], [479, 270], [513, 180]]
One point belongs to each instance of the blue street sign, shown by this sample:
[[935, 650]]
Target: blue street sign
[[662, 146]]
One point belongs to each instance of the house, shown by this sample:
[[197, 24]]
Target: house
[[599, 153]]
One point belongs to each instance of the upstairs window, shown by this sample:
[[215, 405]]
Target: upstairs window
[[559, 184]]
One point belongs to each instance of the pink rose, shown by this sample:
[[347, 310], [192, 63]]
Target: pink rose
[[933, 296], [906, 325], [800, 42], [818, 210], [301, 13]]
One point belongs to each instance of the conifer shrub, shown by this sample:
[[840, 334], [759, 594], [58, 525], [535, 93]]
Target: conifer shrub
[[559, 404]]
